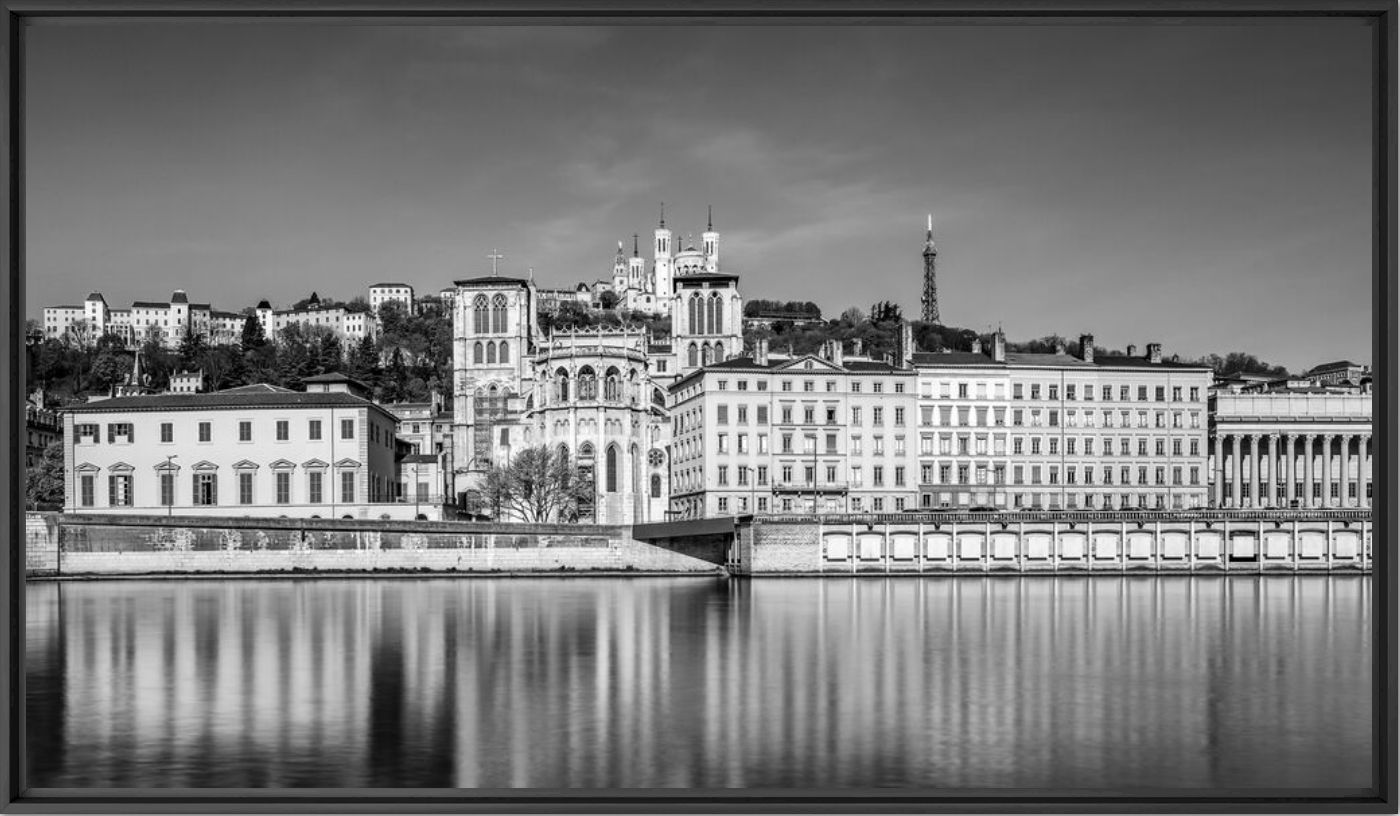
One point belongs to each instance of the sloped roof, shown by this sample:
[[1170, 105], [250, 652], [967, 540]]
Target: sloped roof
[[377, 285], [489, 280], [233, 398], [179, 297], [1339, 364]]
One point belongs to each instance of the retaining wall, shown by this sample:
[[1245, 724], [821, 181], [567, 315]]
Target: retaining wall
[[1028, 543], [87, 544]]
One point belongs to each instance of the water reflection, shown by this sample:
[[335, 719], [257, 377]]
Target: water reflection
[[964, 683]]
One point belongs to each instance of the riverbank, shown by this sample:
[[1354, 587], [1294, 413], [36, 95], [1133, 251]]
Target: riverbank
[[83, 545]]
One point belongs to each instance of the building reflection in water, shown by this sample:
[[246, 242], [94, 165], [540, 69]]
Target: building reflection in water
[[1110, 683]]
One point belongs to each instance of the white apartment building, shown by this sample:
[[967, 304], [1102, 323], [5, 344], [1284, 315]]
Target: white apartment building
[[381, 293], [167, 321], [810, 433], [256, 450], [348, 325], [1011, 430]]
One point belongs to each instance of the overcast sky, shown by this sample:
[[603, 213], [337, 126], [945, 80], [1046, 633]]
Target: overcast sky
[[1208, 187]]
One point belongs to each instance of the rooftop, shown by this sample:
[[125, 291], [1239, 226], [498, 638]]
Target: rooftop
[[378, 285], [247, 396], [490, 280]]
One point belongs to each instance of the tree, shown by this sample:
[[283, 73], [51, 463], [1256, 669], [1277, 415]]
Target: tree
[[43, 486], [108, 369], [608, 299], [538, 485], [192, 351], [253, 336]]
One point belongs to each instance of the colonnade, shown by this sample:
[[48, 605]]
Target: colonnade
[[1256, 469]]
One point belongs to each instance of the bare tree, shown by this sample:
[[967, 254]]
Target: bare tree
[[538, 485]]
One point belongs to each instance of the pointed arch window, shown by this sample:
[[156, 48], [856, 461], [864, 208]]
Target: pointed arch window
[[705, 354], [490, 353], [690, 356], [477, 355], [498, 314], [561, 379], [505, 352], [611, 392], [718, 303], [697, 320], [479, 315], [587, 384], [611, 469]]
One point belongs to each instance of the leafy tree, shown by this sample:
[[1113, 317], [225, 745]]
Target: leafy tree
[[608, 299], [253, 336], [108, 369], [43, 486], [193, 348]]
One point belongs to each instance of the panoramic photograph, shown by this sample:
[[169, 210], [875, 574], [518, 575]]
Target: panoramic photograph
[[911, 409]]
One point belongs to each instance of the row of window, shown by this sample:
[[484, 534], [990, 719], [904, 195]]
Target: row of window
[[124, 432], [961, 445], [950, 416], [1334, 490], [205, 489], [810, 386]]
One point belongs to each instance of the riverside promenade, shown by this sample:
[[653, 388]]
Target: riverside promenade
[[1032, 542]]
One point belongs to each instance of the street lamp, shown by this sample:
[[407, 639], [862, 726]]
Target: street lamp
[[170, 506]]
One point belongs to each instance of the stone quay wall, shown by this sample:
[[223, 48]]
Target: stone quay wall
[[97, 545], [1054, 542]]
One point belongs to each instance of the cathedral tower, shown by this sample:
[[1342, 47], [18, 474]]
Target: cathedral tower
[[661, 263], [930, 298], [709, 243]]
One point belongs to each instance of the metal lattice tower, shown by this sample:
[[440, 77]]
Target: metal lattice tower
[[930, 298]]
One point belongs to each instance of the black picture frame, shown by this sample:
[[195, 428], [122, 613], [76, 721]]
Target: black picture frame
[[1382, 15]]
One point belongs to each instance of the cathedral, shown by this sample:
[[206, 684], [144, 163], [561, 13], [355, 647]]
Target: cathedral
[[598, 394]]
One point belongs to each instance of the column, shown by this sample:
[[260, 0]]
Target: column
[[1327, 473], [1344, 488], [1307, 470], [1363, 453], [1236, 484], [1271, 486], [1219, 470], [1290, 468], [1254, 461]]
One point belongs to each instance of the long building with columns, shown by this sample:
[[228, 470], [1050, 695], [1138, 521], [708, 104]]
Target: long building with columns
[[1291, 449]]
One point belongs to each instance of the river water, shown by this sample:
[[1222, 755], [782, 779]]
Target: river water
[[1107, 683]]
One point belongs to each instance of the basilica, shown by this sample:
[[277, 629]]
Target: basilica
[[598, 394]]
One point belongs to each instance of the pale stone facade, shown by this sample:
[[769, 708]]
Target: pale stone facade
[[1013, 430], [166, 322], [255, 450], [811, 433], [381, 293], [1292, 449]]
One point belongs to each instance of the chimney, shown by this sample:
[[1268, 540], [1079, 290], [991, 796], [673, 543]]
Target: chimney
[[856, 347], [1132, 349], [1059, 346], [1086, 348], [836, 355], [760, 351], [999, 347], [976, 345], [906, 345], [1154, 352]]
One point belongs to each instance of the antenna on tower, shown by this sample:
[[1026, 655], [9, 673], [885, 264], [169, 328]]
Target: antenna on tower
[[710, 217], [663, 215], [635, 252]]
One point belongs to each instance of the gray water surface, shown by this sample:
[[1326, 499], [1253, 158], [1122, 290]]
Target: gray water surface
[[1117, 684]]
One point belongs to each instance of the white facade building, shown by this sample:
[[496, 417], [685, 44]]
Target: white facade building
[[256, 450], [167, 322], [1014, 430], [381, 293], [1292, 448]]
